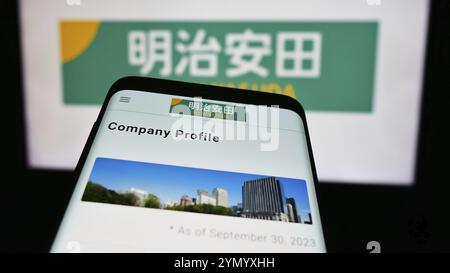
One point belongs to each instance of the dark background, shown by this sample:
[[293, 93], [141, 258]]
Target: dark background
[[402, 219]]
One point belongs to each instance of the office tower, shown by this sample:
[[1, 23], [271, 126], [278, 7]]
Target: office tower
[[185, 200], [203, 197], [236, 211], [309, 222], [292, 210], [264, 199], [221, 196]]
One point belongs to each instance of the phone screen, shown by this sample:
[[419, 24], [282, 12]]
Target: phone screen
[[169, 173]]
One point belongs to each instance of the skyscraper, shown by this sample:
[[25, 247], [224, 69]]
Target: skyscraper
[[264, 199], [309, 221], [221, 196], [292, 210], [185, 200], [203, 197]]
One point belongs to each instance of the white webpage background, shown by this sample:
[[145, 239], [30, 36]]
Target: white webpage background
[[378, 147], [105, 227]]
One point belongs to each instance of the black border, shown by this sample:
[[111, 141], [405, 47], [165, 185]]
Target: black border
[[32, 227]]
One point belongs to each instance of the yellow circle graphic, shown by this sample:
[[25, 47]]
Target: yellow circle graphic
[[76, 36]]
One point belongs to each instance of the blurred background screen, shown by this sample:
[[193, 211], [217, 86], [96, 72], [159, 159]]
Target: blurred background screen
[[355, 65]]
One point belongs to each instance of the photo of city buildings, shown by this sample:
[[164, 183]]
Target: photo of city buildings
[[197, 190]]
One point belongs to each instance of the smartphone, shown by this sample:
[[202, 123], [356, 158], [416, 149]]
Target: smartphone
[[181, 167]]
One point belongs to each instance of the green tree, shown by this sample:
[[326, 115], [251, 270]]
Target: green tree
[[95, 192], [152, 201], [204, 208], [129, 199]]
